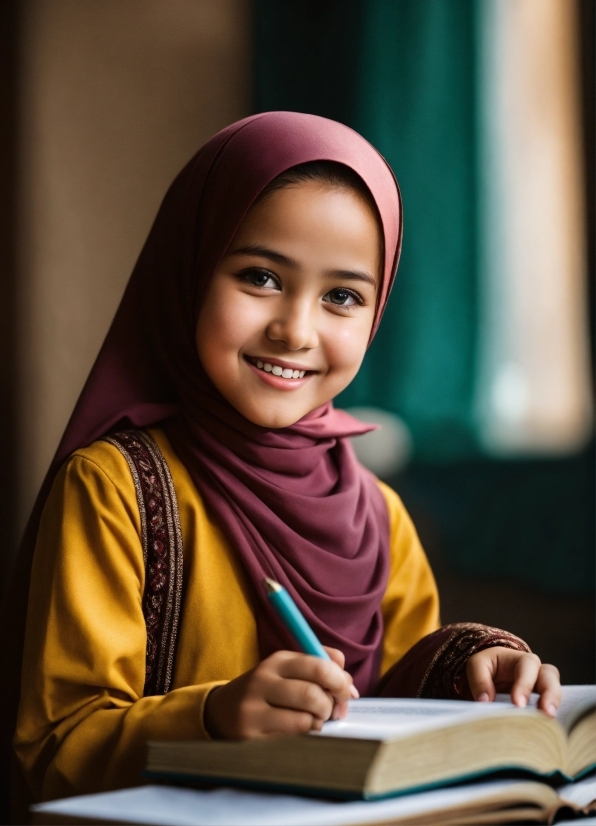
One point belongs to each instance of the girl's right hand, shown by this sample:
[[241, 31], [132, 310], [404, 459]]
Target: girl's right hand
[[288, 693]]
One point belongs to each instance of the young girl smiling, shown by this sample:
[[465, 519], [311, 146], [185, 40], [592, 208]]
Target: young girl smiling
[[204, 454]]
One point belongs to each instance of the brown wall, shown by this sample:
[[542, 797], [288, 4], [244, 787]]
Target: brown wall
[[115, 96]]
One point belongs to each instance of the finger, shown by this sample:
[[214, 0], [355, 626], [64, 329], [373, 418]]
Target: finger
[[325, 673], [480, 670], [548, 685], [336, 655], [525, 673], [300, 695], [278, 721], [339, 711], [339, 657]]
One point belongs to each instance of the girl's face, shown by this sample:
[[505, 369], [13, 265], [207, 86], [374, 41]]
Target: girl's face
[[287, 317]]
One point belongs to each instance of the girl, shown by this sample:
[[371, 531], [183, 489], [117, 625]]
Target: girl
[[205, 433]]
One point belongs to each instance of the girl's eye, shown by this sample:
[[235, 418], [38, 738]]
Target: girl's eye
[[343, 298], [260, 278]]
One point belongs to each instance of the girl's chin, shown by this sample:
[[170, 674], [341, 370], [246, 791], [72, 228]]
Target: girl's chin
[[274, 422], [273, 417]]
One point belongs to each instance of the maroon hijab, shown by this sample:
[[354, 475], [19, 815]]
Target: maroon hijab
[[294, 502]]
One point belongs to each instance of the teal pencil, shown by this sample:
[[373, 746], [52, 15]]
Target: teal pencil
[[293, 620]]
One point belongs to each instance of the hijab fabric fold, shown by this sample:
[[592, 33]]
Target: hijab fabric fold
[[294, 502]]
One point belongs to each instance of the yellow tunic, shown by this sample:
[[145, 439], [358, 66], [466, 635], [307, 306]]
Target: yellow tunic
[[83, 721]]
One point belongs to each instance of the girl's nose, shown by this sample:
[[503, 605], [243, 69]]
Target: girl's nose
[[295, 326]]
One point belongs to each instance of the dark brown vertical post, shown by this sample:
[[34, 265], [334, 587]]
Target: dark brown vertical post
[[8, 186]]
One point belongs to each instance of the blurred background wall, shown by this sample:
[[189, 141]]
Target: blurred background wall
[[485, 358], [114, 98]]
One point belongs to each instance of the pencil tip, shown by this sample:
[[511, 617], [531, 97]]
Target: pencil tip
[[271, 586]]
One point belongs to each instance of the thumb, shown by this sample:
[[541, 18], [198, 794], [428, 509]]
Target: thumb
[[480, 670]]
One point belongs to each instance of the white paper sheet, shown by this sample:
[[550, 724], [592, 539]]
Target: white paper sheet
[[170, 806]]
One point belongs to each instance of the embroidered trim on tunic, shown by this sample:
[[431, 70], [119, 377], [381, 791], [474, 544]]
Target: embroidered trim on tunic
[[161, 539], [444, 677]]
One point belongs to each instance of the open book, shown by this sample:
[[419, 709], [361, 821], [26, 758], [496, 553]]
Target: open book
[[388, 747], [495, 801]]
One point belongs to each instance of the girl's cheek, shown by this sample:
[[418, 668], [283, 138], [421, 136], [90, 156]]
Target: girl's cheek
[[342, 368], [229, 320], [347, 347]]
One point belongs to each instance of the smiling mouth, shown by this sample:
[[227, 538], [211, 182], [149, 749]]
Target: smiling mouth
[[277, 370]]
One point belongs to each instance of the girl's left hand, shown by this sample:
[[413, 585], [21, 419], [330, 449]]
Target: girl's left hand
[[505, 670]]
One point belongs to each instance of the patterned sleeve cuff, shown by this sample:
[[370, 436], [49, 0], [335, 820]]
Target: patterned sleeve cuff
[[445, 675]]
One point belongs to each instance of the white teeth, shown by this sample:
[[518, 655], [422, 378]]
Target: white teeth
[[284, 372]]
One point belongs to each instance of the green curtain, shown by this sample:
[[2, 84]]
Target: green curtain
[[401, 72], [404, 73]]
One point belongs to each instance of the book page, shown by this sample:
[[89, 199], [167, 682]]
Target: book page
[[382, 719], [580, 794], [576, 700]]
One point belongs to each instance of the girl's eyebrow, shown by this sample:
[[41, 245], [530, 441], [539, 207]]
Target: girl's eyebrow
[[279, 258], [354, 275], [264, 252]]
